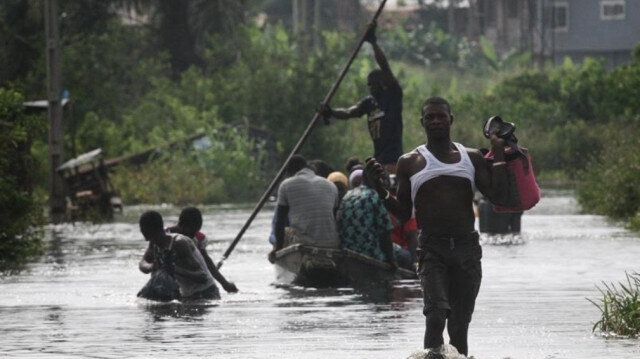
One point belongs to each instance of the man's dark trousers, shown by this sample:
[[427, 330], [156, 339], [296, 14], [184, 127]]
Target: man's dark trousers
[[450, 274]]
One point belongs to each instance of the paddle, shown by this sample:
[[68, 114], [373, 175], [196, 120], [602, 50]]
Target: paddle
[[302, 140]]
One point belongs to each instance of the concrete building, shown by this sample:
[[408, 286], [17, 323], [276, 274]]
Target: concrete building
[[607, 29], [555, 29]]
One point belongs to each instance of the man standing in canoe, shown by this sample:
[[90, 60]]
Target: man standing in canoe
[[383, 108], [438, 180]]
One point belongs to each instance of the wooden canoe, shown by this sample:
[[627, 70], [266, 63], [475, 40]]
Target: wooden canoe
[[325, 267]]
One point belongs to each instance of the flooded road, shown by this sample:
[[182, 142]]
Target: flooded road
[[79, 299]]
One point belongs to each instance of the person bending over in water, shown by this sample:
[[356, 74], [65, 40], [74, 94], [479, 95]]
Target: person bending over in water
[[437, 180], [190, 270], [189, 224]]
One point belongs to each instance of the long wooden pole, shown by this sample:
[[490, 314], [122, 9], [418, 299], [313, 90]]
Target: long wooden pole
[[296, 148]]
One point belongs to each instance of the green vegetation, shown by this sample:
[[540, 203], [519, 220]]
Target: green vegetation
[[226, 171], [20, 208], [137, 87], [620, 307]]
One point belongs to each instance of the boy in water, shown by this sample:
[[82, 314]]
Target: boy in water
[[189, 268], [189, 224]]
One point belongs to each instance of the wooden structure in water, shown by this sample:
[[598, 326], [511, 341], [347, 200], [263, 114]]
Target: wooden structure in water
[[88, 189]]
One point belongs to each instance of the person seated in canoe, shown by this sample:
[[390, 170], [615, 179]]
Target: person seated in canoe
[[182, 258], [404, 235], [341, 182], [189, 224], [309, 202], [353, 163], [355, 178], [364, 224], [320, 167]]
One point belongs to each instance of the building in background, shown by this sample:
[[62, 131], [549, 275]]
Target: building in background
[[606, 29], [550, 29], [555, 29]]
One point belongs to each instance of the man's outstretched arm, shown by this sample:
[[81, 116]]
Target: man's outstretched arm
[[229, 287], [381, 59], [344, 113]]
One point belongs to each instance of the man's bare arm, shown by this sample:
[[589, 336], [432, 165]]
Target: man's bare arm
[[146, 264], [388, 78], [347, 113], [492, 179], [228, 286], [400, 205]]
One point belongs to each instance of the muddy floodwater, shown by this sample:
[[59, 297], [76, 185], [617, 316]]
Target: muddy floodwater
[[78, 300]]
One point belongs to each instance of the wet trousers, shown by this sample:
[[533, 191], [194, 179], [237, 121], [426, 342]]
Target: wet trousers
[[450, 274]]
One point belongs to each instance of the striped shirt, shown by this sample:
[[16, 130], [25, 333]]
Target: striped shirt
[[311, 200]]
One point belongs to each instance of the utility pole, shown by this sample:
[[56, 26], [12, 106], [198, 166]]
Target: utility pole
[[54, 112], [317, 27]]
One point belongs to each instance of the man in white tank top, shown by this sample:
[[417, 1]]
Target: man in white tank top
[[437, 181]]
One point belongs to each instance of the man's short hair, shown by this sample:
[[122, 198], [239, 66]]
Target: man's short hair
[[190, 217], [375, 76], [435, 100], [320, 167], [150, 223], [296, 164], [352, 162]]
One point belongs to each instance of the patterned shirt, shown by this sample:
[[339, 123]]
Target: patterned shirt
[[363, 221]]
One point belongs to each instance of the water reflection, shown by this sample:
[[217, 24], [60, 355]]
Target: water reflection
[[192, 311], [502, 239], [89, 308], [56, 251]]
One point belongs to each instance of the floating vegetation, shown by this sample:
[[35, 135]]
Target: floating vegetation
[[620, 307]]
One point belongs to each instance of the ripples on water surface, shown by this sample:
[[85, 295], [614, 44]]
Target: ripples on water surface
[[79, 299]]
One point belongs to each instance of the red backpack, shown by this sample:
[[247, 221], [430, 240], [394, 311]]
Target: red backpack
[[524, 192]]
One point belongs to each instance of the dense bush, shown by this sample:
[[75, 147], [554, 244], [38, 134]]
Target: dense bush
[[20, 212], [610, 184], [224, 167]]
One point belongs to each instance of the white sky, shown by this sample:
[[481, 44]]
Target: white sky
[[408, 4]]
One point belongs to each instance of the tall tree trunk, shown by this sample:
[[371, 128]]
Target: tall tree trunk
[[176, 35], [317, 25], [451, 19]]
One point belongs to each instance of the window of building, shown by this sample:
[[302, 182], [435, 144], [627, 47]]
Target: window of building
[[612, 10], [560, 16]]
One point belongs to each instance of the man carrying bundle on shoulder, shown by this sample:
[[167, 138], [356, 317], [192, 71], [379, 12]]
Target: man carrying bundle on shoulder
[[437, 181]]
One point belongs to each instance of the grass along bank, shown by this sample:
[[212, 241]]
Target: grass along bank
[[620, 307]]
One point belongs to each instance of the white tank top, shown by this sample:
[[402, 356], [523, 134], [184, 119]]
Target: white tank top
[[435, 168]]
